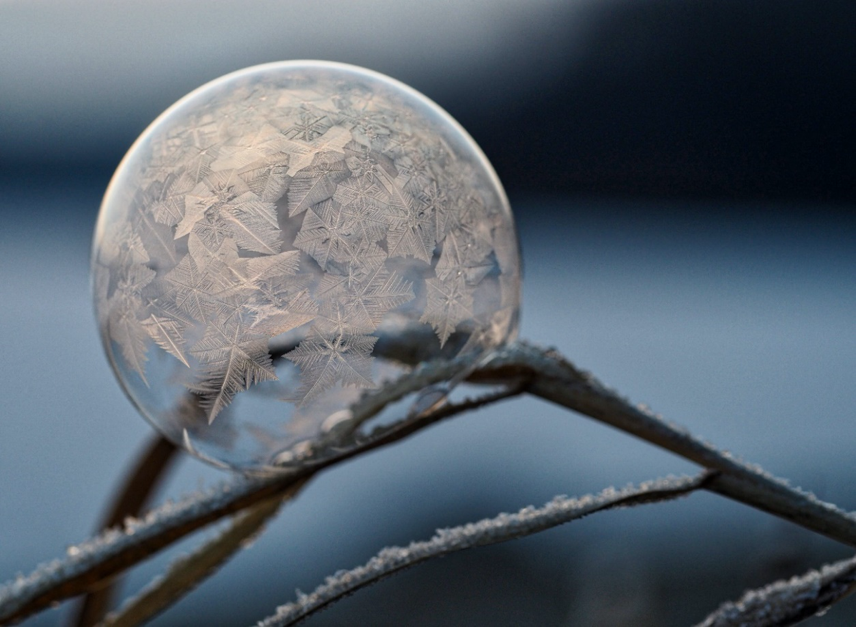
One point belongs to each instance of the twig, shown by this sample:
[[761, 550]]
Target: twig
[[140, 483], [485, 532], [189, 571], [788, 602], [543, 373], [423, 379], [553, 378], [90, 563], [400, 430]]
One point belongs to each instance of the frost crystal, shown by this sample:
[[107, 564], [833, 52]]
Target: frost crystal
[[286, 237], [488, 531]]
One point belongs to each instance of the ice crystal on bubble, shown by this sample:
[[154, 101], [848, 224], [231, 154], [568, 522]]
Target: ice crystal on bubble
[[287, 237]]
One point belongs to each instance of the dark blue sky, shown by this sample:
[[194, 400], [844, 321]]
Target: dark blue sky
[[661, 98]]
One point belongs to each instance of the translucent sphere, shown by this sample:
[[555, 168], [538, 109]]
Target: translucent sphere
[[286, 238]]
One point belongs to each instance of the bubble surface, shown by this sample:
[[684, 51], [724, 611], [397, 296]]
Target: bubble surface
[[287, 237]]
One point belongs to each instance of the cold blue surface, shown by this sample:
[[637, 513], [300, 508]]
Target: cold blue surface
[[735, 321]]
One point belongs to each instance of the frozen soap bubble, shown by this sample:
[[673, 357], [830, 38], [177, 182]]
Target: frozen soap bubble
[[286, 238]]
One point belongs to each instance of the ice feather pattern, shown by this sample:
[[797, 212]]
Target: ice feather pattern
[[450, 302], [329, 359], [300, 205], [232, 359]]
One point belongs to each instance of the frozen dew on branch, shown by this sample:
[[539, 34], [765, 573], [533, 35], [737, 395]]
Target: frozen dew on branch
[[110, 544], [504, 527], [788, 602], [283, 240]]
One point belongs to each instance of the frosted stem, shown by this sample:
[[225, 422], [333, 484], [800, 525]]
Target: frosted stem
[[190, 570], [788, 602], [130, 499], [520, 366], [502, 528], [553, 378]]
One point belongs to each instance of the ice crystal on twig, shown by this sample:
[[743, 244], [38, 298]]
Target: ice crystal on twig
[[502, 528]]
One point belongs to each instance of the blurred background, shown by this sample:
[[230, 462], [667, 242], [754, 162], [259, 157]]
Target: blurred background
[[682, 174]]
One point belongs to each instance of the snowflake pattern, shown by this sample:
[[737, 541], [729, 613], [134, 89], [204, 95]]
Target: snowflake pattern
[[300, 203]]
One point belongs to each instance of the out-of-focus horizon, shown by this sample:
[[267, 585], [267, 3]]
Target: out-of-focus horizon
[[662, 98]]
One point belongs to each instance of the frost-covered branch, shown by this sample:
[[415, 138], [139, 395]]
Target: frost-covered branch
[[485, 532], [789, 602], [518, 367], [190, 570], [90, 563], [130, 499], [428, 381], [93, 561], [551, 377]]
